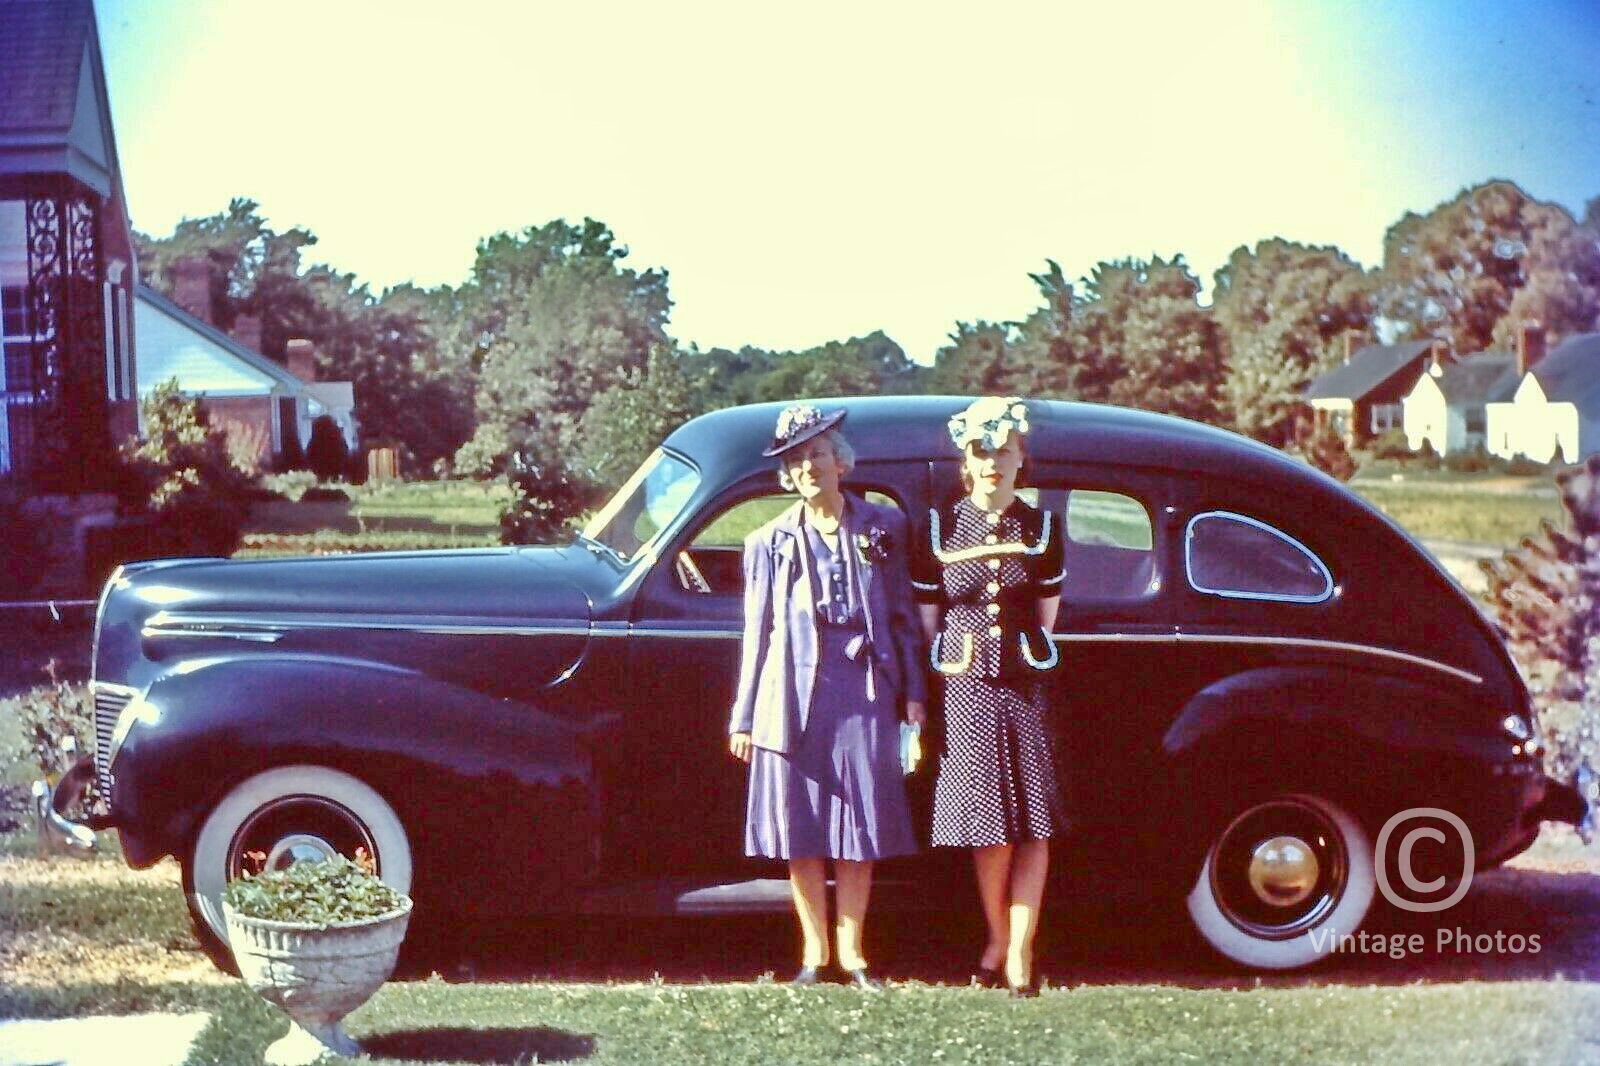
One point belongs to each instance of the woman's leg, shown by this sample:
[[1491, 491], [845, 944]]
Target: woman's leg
[[808, 883], [853, 888], [1028, 872], [993, 868]]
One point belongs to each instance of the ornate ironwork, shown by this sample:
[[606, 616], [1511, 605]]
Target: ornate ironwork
[[57, 404]]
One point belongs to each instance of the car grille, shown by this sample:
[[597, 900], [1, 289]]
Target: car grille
[[108, 704]]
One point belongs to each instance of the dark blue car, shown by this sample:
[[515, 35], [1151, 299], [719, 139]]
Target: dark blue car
[[1260, 671]]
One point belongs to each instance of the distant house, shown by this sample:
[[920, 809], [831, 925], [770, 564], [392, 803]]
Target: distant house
[[67, 374], [261, 403], [1447, 408], [1555, 411], [1361, 397]]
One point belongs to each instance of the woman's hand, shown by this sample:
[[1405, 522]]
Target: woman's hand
[[739, 745], [916, 712]]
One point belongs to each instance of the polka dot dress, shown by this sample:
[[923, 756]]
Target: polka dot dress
[[997, 780]]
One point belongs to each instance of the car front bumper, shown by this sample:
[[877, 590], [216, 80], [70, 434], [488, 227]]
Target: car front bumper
[[58, 832]]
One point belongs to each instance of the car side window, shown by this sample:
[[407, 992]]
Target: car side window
[[1239, 557], [713, 561], [1108, 544]]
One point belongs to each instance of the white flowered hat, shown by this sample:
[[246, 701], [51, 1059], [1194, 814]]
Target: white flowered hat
[[798, 423], [990, 420]]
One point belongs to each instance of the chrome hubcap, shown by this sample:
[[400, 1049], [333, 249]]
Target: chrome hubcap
[[1279, 868], [297, 829], [1283, 871]]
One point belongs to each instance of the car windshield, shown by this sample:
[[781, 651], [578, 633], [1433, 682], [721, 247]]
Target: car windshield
[[647, 502]]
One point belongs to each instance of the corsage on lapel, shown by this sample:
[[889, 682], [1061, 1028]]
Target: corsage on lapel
[[872, 545]]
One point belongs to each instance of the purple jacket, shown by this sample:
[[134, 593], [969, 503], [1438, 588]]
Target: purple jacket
[[778, 659]]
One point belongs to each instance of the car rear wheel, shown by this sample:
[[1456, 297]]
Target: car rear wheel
[[1283, 880], [289, 814]]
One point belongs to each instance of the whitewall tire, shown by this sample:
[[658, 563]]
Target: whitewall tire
[[289, 813], [1282, 881]]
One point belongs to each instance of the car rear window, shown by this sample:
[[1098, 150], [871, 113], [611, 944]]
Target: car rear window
[[1240, 557]]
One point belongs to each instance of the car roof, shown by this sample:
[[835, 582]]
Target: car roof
[[912, 428]]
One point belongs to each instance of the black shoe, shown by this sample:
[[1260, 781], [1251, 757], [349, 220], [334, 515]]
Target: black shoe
[[988, 977], [806, 976], [1027, 991], [865, 981]]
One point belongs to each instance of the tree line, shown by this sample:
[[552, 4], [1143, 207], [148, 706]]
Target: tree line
[[555, 355]]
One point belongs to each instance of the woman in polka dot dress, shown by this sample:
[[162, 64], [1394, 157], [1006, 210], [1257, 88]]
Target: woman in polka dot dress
[[988, 584]]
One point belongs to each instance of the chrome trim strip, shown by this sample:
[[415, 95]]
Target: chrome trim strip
[[679, 634], [167, 624], [1293, 642]]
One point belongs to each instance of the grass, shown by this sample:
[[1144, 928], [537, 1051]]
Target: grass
[[82, 938], [1481, 511], [390, 516]]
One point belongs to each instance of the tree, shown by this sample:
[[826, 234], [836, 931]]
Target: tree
[[1456, 271], [1283, 308], [626, 422], [554, 320], [981, 358], [1136, 335], [184, 473]]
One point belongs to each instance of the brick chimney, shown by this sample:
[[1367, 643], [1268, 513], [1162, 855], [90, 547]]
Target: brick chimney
[[1354, 341], [1530, 346], [191, 286], [247, 331], [302, 359]]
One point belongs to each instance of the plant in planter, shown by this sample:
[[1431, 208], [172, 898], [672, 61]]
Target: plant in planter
[[315, 939]]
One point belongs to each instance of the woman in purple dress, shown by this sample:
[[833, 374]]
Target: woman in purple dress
[[831, 653]]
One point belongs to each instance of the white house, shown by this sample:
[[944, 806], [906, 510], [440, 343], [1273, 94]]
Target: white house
[[1555, 412], [1446, 408], [242, 390]]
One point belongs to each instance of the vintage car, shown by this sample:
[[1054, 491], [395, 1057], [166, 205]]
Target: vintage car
[[1259, 671]]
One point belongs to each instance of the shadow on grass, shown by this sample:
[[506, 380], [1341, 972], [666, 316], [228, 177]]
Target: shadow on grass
[[480, 1045], [1082, 942]]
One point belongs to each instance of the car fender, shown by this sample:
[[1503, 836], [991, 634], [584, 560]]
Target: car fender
[[429, 747]]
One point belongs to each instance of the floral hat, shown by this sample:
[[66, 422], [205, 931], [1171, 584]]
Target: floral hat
[[990, 420], [798, 423]]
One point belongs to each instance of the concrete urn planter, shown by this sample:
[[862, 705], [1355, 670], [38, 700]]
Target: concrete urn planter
[[315, 974]]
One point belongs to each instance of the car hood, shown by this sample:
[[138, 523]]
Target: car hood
[[488, 586], [485, 618]]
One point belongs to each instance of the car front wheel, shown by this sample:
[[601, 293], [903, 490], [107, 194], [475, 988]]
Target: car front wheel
[[1282, 881], [287, 815]]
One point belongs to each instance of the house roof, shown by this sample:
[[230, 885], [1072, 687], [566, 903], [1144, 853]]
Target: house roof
[[1480, 378], [41, 49], [156, 367], [1369, 368], [1571, 373]]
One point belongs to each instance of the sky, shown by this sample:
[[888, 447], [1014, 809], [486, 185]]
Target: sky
[[812, 172]]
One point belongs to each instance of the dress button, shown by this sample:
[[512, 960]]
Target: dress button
[[993, 517], [992, 587], [991, 539], [992, 608], [994, 564], [994, 631]]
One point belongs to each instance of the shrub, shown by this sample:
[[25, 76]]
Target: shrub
[[1520, 465], [27, 546], [327, 453], [249, 444], [291, 485], [187, 478], [1324, 448], [545, 497], [314, 893], [1473, 461], [47, 714], [1390, 444]]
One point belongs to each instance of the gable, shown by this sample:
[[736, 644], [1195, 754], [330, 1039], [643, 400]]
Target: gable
[[87, 137], [167, 347]]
